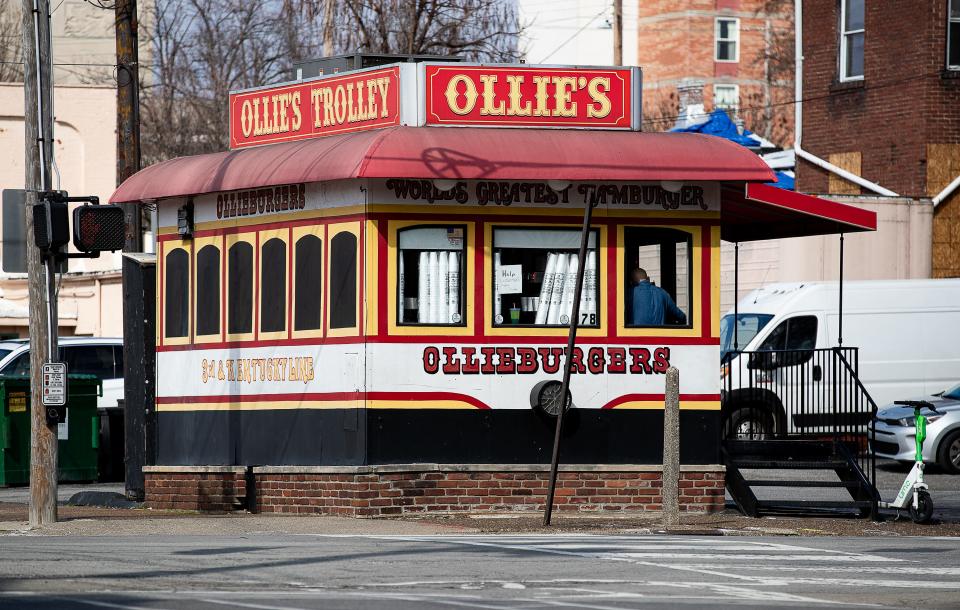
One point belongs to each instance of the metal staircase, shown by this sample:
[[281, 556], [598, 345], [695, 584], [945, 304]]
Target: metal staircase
[[795, 429]]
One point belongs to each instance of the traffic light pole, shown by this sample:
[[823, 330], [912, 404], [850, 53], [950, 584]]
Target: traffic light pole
[[38, 149]]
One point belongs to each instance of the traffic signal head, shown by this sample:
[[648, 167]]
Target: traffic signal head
[[97, 228], [51, 225]]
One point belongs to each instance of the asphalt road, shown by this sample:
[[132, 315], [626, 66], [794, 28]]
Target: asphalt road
[[271, 572]]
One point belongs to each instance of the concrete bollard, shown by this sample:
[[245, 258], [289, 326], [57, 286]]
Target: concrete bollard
[[670, 491]]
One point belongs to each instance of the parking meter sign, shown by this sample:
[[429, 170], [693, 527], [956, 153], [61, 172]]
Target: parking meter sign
[[54, 384]]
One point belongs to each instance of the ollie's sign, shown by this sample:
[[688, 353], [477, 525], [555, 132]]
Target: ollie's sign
[[529, 96], [322, 107]]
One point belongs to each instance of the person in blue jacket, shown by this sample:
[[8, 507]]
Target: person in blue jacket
[[652, 306]]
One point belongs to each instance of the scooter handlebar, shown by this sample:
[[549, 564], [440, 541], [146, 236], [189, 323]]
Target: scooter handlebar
[[917, 404]]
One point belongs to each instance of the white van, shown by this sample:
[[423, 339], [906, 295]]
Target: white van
[[907, 332]]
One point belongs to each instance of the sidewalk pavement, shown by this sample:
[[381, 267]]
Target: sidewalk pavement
[[94, 521]]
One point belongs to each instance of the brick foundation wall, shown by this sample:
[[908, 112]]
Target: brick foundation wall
[[391, 490], [202, 488]]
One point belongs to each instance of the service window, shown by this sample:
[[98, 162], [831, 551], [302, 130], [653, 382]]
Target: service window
[[658, 286], [431, 269], [534, 277], [176, 294], [240, 286], [308, 281], [273, 284], [208, 271]]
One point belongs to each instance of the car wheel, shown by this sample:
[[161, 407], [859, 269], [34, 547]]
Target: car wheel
[[924, 509], [750, 424], [949, 454]]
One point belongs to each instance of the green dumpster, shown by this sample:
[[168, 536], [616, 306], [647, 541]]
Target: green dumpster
[[79, 435]]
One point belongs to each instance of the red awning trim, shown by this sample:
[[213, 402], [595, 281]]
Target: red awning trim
[[758, 211], [462, 153], [856, 218]]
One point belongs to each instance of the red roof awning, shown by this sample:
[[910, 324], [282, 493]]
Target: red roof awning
[[749, 211], [466, 153], [761, 211]]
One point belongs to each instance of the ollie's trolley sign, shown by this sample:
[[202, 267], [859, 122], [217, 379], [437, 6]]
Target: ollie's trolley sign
[[443, 94]]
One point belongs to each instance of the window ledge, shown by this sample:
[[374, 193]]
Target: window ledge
[[847, 85], [950, 74]]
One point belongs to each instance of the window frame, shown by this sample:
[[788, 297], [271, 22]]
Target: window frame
[[198, 244], [334, 229], [467, 280], [514, 330], [231, 239], [168, 247], [949, 42], [690, 283], [735, 40], [320, 232], [736, 90], [704, 238], [262, 238], [463, 285], [844, 34]]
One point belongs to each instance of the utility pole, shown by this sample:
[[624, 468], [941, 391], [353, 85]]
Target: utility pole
[[128, 114], [618, 32], [328, 28], [38, 151]]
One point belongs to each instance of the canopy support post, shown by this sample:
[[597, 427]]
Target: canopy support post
[[840, 317], [571, 339], [736, 293]]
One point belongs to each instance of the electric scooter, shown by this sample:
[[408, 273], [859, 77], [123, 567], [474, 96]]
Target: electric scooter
[[914, 490]]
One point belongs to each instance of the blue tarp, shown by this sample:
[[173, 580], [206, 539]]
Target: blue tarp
[[784, 181], [719, 124]]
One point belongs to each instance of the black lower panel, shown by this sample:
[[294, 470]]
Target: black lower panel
[[399, 436], [628, 436], [296, 437]]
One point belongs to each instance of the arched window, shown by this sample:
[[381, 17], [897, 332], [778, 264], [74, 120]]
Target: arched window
[[343, 280], [273, 286], [177, 297], [307, 283], [240, 286], [208, 290]]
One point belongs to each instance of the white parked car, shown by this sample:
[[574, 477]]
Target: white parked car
[[99, 356]]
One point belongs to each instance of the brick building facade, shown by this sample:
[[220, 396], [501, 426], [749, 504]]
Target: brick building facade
[[892, 117], [741, 51]]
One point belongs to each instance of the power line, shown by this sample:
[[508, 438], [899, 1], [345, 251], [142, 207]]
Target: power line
[[575, 34]]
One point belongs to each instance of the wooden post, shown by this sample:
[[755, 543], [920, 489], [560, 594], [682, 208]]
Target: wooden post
[[38, 148], [128, 114], [618, 32], [670, 491]]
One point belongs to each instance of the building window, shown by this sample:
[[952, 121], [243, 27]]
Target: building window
[[851, 39], [953, 36], [307, 274], [728, 39], [273, 286], [208, 290], [727, 97], [534, 277], [240, 287], [430, 272], [176, 320], [343, 280], [658, 285]]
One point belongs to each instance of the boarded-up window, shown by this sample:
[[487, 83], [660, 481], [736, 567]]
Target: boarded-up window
[[208, 290], [307, 282], [177, 295], [273, 286], [343, 280], [240, 286]]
